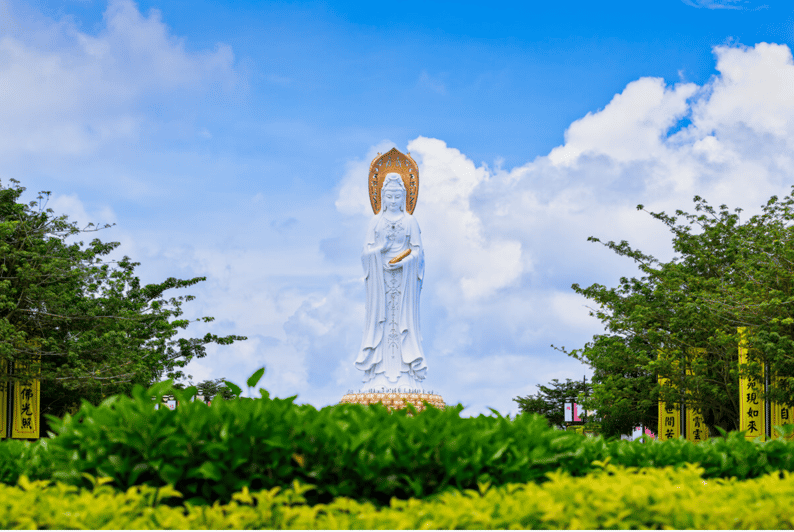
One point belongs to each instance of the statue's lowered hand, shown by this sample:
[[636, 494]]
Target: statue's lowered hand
[[401, 256]]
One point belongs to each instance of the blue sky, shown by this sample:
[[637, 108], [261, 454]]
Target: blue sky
[[232, 140]]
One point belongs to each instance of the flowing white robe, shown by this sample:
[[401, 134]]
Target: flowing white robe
[[391, 352]]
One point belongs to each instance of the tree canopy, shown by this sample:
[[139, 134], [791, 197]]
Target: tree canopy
[[679, 320], [209, 388], [84, 321], [550, 400]]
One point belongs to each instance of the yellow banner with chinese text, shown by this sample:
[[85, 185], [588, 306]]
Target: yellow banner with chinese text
[[696, 430], [669, 418], [752, 409], [781, 415], [27, 405], [669, 414]]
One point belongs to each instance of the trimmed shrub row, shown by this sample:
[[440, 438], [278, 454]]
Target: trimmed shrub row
[[608, 497], [209, 453]]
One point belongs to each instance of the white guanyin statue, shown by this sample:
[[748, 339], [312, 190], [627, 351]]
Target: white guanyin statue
[[391, 354]]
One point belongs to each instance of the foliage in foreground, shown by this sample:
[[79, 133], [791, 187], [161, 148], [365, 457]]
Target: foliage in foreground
[[679, 319], [208, 453], [609, 497]]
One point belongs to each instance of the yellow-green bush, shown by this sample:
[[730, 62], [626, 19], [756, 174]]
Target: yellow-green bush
[[612, 497], [209, 453]]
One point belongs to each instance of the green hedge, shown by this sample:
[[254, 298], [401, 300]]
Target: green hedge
[[210, 452], [608, 497]]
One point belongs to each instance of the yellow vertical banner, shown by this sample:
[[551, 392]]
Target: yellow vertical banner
[[781, 415], [669, 414], [27, 406], [669, 418], [752, 411], [696, 430], [3, 400]]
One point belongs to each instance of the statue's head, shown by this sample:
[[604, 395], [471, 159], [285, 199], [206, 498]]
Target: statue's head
[[392, 195]]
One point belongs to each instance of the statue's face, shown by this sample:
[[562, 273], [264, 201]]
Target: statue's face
[[393, 199]]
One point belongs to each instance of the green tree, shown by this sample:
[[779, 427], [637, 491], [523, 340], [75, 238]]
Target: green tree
[[85, 322], [550, 400], [209, 388], [679, 320]]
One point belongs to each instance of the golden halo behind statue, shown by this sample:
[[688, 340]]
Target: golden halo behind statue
[[393, 161]]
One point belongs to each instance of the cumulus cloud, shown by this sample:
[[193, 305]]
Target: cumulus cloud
[[478, 266], [503, 246], [475, 265], [754, 91], [631, 127], [88, 90], [73, 207]]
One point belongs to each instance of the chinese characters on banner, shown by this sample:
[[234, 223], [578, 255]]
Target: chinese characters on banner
[[669, 418], [27, 408], [696, 430], [781, 415], [752, 411]]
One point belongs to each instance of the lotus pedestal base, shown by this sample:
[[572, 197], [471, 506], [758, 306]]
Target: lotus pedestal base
[[392, 400]]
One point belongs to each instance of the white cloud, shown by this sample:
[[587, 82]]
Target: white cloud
[[89, 90], [572, 310], [285, 368], [472, 265], [631, 127], [70, 205], [503, 246], [754, 90]]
